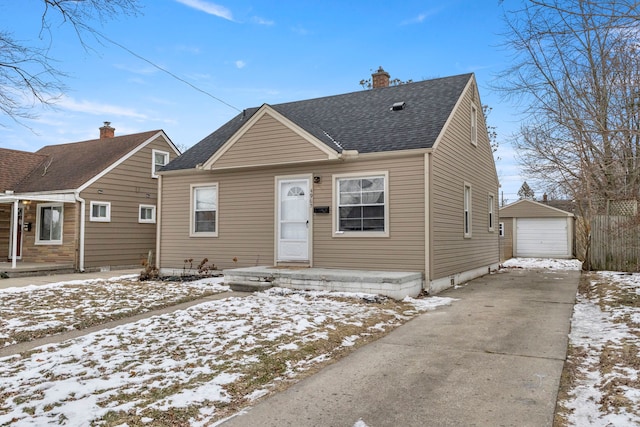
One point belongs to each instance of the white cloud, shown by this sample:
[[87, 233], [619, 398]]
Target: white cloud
[[136, 70], [300, 30], [420, 18], [240, 64], [95, 108], [210, 8], [261, 21]]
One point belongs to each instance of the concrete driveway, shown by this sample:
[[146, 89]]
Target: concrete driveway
[[493, 358]]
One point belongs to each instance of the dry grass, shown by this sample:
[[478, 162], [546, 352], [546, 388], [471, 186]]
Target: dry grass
[[157, 372], [26, 315], [616, 361]]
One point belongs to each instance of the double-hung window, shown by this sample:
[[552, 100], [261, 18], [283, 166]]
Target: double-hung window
[[204, 210], [362, 205], [474, 125], [49, 224], [467, 210], [160, 158], [490, 212], [100, 212]]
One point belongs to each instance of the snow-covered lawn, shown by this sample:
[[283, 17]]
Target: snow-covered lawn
[[37, 311], [194, 366], [601, 381]]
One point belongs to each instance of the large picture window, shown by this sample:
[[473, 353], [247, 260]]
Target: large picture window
[[204, 205], [49, 224], [362, 204]]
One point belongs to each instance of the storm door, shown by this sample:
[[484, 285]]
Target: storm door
[[293, 226]]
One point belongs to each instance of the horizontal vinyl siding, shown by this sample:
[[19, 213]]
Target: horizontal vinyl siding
[[525, 209], [269, 142], [457, 161], [123, 241], [247, 217]]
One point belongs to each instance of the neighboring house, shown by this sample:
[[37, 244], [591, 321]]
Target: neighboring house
[[88, 204], [532, 229], [397, 178]]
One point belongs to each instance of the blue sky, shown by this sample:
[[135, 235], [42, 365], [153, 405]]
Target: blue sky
[[250, 52]]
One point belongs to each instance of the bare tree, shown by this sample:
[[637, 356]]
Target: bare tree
[[525, 192], [28, 75], [576, 66]]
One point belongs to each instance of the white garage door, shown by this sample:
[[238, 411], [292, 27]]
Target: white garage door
[[542, 237]]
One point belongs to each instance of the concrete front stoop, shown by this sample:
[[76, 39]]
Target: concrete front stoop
[[394, 284]]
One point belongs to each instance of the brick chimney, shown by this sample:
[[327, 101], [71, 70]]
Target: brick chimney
[[107, 131], [380, 78]]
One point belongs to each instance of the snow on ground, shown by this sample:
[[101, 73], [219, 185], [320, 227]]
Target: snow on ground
[[552, 264], [34, 311], [190, 366], [605, 334], [604, 347]]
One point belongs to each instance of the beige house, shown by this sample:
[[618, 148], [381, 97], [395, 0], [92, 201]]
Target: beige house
[[398, 178], [530, 229], [83, 205]]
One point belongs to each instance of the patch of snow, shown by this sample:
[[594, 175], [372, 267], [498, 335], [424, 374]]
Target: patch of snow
[[548, 263], [430, 303]]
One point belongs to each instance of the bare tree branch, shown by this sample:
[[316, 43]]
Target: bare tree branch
[[28, 75]]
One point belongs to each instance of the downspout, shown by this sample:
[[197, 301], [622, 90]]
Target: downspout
[[82, 231], [14, 234], [158, 222], [427, 221]]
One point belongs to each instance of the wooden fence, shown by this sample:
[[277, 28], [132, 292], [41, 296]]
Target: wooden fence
[[615, 243]]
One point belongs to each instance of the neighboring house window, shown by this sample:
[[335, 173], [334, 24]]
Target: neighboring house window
[[491, 218], [204, 210], [474, 125], [160, 158], [362, 204], [100, 212], [49, 223], [467, 210], [501, 229], [147, 214]]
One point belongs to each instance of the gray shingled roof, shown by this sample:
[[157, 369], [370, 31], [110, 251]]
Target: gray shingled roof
[[69, 166], [361, 121]]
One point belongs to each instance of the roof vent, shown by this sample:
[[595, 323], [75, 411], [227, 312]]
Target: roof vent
[[397, 106]]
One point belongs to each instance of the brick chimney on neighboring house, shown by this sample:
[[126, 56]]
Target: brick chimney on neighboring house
[[380, 78], [107, 131]]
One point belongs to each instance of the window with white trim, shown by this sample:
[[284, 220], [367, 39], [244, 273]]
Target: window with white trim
[[147, 214], [474, 125], [362, 206], [160, 158], [204, 210], [49, 223], [100, 212], [501, 229], [490, 208], [467, 210]]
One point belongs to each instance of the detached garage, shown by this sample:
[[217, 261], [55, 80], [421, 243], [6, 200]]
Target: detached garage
[[530, 229]]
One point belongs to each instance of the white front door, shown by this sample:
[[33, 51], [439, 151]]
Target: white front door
[[293, 219]]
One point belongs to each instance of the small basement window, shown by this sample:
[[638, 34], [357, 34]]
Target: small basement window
[[397, 106]]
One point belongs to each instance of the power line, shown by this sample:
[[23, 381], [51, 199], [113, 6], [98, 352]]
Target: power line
[[97, 33]]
